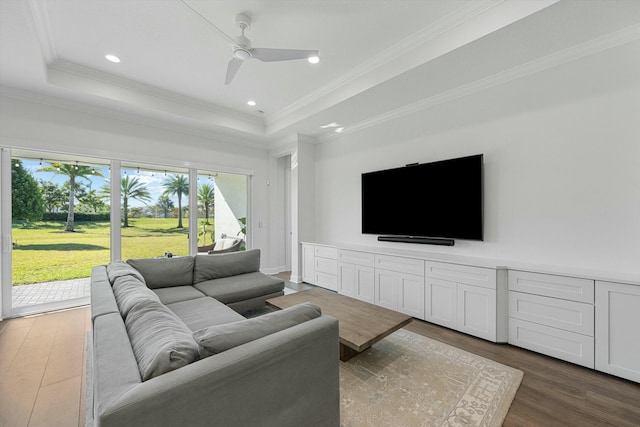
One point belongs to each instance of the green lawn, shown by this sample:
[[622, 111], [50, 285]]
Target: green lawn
[[44, 252]]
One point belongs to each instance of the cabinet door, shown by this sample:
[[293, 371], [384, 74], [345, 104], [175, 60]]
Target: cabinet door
[[441, 305], [411, 295], [617, 337], [364, 284], [346, 279], [477, 311], [565, 345], [386, 289], [327, 281], [308, 264]]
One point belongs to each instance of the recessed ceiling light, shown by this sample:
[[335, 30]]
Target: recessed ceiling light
[[252, 103], [330, 125], [112, 58], [313, 59]]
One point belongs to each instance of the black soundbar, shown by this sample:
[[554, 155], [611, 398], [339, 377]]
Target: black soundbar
[[414, 239]]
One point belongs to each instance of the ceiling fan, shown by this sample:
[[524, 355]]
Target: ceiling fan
[[243, 51]]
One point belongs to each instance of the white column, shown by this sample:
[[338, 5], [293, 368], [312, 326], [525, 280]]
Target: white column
[[193, 211], [115, 178], [5, 227]]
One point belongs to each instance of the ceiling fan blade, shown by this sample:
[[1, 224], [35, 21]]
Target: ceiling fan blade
[[269, 55], [232, 69]]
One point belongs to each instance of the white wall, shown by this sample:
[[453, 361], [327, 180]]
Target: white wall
[[37, 126], [230, 204], [562, 169]]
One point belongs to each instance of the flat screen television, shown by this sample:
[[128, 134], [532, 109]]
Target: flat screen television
[[440, 200]]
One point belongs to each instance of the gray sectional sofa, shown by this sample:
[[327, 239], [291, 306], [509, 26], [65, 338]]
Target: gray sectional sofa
[[170, 347]]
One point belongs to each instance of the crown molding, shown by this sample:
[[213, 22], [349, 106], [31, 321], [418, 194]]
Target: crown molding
[[112, 114], [69, 74], [40, 15], [476, 18], [72, 75], [391, 53], [591, 47]]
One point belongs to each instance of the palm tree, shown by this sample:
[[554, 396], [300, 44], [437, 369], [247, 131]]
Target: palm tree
[[130, 189], [206, 195], [73, 172], [178, 185], [165, 204]]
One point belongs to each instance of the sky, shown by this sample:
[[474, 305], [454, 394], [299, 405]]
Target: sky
[[153, 180]]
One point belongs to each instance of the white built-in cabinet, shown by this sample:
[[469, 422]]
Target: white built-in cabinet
[[617, 329], [308, 263], [461, 297], [320, 265], [586, 321], [464, 298], [552, 315], [356, 274], [399, 284]]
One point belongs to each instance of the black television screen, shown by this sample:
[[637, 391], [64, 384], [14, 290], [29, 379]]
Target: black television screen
[[441, 199]]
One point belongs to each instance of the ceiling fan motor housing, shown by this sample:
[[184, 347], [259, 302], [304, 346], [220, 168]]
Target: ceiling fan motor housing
[[241, 53]]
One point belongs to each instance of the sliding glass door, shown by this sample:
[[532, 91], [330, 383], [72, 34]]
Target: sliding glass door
[[60, 218], [59, 229]]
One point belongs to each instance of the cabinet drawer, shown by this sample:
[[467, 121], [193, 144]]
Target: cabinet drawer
[[558, 343], [400, 264], [475, 276], [324, 265], [569, 288], [356, 257], [568, 315], [326, 252], [328, 281]]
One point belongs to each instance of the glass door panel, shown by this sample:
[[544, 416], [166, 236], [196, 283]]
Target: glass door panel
[[154, 210], [222, 208], [60, 228]]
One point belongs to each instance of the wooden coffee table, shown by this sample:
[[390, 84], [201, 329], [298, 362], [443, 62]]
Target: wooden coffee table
[[361, 324]]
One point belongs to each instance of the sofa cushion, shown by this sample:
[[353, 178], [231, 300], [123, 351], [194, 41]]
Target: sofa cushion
[[241, 287], [161, 342], [119, 268], [165, 272], [217, 339], [102, 299], [177, 294], [129, 291], [208, 267], [204, 312]]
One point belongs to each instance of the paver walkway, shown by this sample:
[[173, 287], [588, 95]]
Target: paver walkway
[[39, 293]]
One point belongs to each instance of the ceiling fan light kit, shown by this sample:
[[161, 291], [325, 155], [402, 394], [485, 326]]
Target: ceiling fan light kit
[[243, 51]]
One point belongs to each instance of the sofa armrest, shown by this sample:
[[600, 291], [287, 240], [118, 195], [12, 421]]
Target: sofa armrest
[[289, 378]]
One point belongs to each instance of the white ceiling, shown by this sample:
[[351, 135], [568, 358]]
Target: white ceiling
[[379, 58]]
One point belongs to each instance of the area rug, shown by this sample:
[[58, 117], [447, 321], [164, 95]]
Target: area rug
[[410, 380]]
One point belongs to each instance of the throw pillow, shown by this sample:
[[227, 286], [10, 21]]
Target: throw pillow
[[208, 267], [130, 291], [165, 272], [219, 338], [120, 268], [161, 342]]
